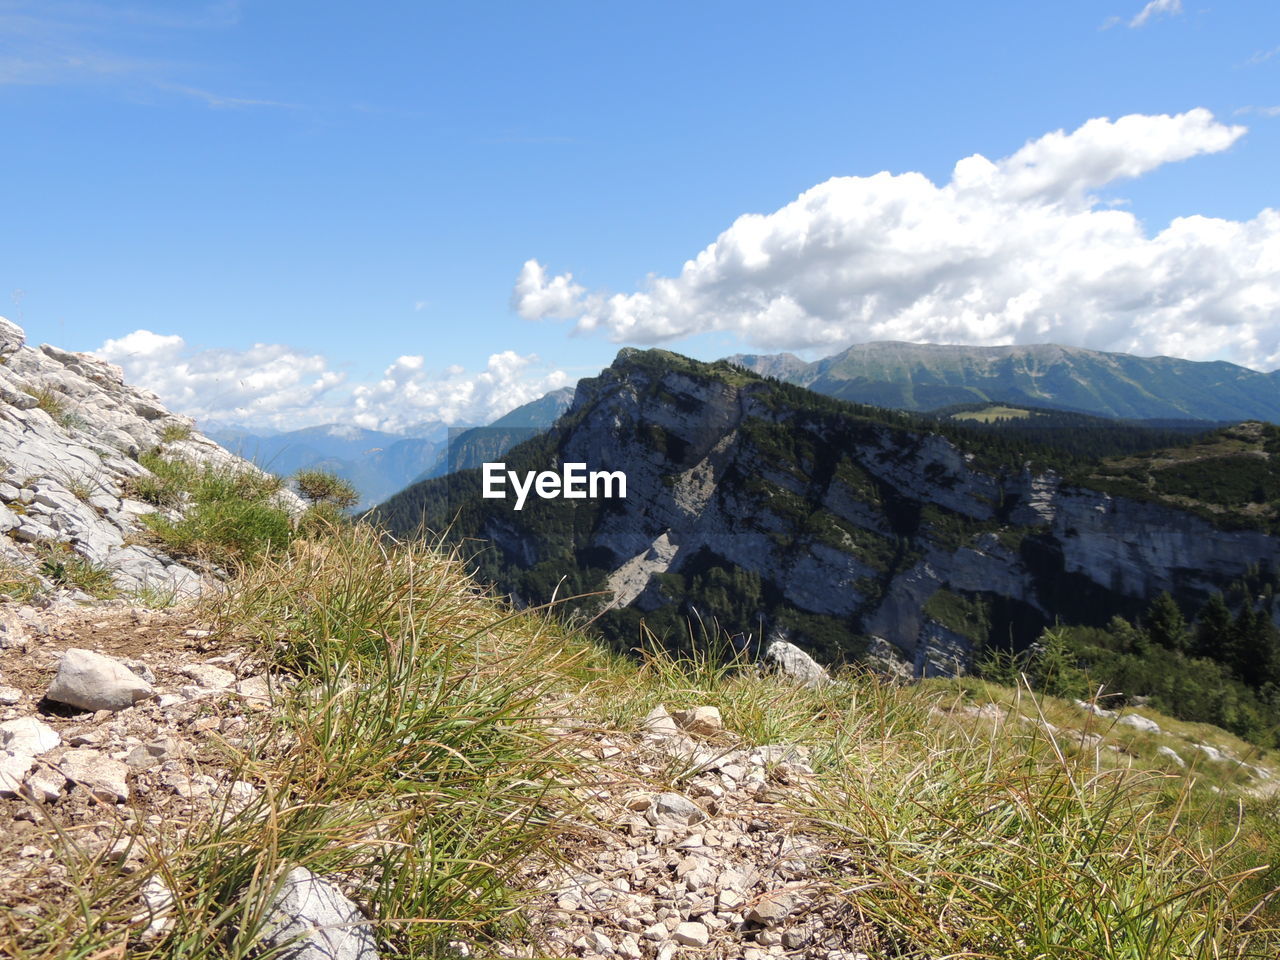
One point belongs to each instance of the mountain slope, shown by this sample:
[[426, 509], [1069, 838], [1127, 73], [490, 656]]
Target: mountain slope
[[773, 509], [470, 448], [911, 376]]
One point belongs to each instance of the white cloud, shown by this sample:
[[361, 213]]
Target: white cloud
[[1016, 250], [276, 386], [1154, 9], [1260, 111], [268, 383], [409, 393]]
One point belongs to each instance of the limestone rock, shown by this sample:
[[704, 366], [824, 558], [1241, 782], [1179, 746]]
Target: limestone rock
[[772, 908], [311, 919], [794, 663], [659, 723], [692, 935], [29, 736], [674, 810], [103, 777], [1139, 723], [209, 676], [704, 721], [1170, 754], [13, 769], [91, 681]]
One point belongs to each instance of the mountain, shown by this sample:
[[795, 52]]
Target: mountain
[[85, 465], [472, 447], [923, 376], [380, 464], [376, 463], [764, 508]]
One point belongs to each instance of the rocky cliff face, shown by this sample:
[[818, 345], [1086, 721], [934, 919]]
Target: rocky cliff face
[[767, 508], [71, 432]]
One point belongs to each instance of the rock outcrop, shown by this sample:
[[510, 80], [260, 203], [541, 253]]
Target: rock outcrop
[[71, 433]]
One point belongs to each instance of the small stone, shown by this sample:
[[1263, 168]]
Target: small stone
[[317, 922], [44, 784], [13, 768], [628, 948], [659, 723], [655, 932], [600, 943], [692, 934], [672, 809], [704, 721], [91, 681], [211, 678], [103, 777], [29, 736], [771, 908], [9, 696]]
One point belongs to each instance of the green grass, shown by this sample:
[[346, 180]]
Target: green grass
[[993, 414], [54, 404], [66, 568], [175, 432], [228, 515]]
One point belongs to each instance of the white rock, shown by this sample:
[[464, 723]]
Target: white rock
[[103, 777], [91, 681], [771, 908], [311, 919], [794, 663], [28, 735], [691, 934], [700, 720], [214, 678], [1139, 723], [1213, 753], [44, 784], [659, 723], [671, 809], [10, 696], [1096, 710], [1171, 754], [13, 769]]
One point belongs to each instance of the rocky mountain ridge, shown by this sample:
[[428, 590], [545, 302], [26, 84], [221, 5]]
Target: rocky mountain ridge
[[769, 510], [71, 434], [927, 376]]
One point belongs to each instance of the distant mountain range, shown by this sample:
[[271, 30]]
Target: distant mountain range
[[471, 448], [379, 464], [912, 376]]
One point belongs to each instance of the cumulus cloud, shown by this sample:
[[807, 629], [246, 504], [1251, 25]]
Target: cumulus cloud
[[276, 386], [267, 383], [1019, 249], [409, 393], [1155, 9]]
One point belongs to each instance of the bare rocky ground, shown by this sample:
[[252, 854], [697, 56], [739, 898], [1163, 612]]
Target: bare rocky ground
[[692, 846], [108, 775]]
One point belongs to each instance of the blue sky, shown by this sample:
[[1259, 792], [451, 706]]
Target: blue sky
[[258, 208]]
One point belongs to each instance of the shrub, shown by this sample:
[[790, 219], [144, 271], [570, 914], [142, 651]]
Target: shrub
[[321, 486]]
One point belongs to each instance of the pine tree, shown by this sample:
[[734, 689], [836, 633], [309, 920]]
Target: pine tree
[[1166, 625]]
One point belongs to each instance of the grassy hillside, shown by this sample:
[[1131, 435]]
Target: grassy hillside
[[1231, 476], [416, 758]]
